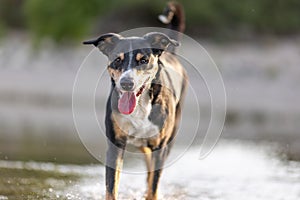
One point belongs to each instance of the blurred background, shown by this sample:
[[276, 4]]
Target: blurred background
[[255, 44]]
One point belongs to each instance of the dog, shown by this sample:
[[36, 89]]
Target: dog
[[148, 85]]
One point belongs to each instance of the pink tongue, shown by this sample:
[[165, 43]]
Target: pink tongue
[[126, 103]]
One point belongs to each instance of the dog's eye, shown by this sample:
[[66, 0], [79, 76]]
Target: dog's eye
[[143, 61], [117, 62]]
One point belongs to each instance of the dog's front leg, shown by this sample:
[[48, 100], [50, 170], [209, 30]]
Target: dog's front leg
[[114, 161], [158, 158]]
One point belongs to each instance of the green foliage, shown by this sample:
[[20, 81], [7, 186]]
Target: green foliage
[[279, 16], [62, 20], [271, 16], [2, 28], [70, 20]]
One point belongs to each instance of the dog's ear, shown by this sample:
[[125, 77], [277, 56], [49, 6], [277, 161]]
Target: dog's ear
[[159, 42], [105, 43]]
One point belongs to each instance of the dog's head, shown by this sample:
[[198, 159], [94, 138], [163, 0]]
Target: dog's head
[[133, 63]]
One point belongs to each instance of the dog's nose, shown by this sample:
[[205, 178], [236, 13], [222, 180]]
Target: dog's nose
[[127, 84]]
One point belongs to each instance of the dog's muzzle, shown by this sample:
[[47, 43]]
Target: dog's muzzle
[[127, 84], [128, 98]]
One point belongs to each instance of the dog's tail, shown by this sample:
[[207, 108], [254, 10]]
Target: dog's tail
[[173, 16]]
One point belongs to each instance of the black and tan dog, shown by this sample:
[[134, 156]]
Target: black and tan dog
[[144, 106]]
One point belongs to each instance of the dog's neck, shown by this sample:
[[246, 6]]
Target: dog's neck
[[137, 125]]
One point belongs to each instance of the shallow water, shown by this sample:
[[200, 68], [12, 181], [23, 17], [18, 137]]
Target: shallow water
[[234, 170], [261, 80]]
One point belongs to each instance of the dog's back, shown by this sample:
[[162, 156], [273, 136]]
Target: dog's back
[[173, 75]]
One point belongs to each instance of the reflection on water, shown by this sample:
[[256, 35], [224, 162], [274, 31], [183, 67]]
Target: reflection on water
[[233, 171]]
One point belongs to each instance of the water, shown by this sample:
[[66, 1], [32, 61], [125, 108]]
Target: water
[[36, 123], [261, 80], [233, 171]]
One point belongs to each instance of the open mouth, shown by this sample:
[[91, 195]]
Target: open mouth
[[127, 101]]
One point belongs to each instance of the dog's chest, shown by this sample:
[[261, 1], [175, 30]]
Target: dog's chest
[[137, 126]]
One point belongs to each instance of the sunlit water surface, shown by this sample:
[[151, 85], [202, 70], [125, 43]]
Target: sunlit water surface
[[233, 171]]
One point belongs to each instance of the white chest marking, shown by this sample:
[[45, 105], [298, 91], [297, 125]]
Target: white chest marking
[[137, 125]]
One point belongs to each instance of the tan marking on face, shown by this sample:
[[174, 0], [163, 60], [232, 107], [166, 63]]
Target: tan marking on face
[[152, 70], [139, 56], [115, 74], [139, 72], [122, 56], [153, 59]]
